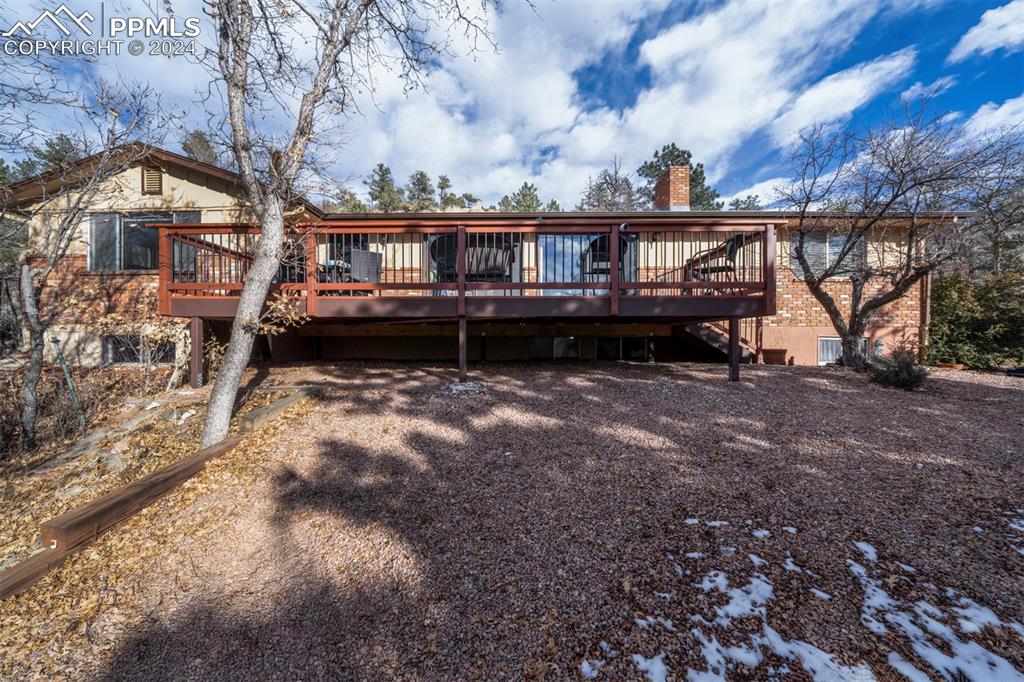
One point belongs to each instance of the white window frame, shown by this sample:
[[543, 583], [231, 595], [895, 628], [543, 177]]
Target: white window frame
[[874, 350]]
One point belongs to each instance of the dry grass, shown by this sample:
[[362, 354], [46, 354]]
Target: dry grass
[[392, 529]]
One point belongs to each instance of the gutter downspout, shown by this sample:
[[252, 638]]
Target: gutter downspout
[[926, 318]]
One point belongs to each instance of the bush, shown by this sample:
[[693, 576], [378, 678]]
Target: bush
[[979, 323], [899, 370]]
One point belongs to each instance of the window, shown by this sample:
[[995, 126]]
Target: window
[[822, 250], [830, 349], [124, 241], [152, 180], [131, 349], [622, 348], [554, 347]]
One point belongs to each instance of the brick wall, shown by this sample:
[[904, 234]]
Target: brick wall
[[672, 193]]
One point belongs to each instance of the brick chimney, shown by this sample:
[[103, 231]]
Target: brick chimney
[[672, 193]]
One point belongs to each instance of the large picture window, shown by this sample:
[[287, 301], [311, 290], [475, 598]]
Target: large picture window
[[125, 241], [823, 250]]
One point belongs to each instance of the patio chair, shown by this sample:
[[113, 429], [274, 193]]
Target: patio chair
[[489, 258], [595, 261]]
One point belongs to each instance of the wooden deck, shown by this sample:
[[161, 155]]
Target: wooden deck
[[637, 267]]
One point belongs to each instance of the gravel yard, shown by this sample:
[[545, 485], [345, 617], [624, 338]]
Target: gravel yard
[[607, 521]]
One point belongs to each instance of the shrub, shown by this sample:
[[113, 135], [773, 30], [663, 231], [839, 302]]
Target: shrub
[[899, 370], [979, 323]]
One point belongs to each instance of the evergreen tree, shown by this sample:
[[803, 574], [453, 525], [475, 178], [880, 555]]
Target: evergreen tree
[[8, 174], [702, 196], [553, 206], [198, 146], [748, 203], [419, 192], [56, 152], [385, 195], [445, 198], [523, 200]]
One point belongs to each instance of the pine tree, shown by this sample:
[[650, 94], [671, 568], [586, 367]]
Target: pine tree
[[523, 200], [419, 192], [385, 196], [749, 203], [198, 146], [702, 196]]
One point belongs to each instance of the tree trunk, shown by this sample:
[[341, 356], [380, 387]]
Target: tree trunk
[[853, 346], [30, 389], [28, 310], [246, 323]]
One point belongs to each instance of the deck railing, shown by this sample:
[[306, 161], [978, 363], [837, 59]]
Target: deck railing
[[494, 259]]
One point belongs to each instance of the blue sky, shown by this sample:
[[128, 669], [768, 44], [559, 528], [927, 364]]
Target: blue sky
[[577, 82]]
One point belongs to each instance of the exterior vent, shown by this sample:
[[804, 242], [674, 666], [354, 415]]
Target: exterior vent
[[152, 181]]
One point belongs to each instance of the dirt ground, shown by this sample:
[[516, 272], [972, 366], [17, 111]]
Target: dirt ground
[[608, 521]]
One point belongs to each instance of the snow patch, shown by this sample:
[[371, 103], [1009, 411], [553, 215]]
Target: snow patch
[[590, 669], [654, 667], [761, 533], [757, 561], [824, 596], [789, 529], [716, 524], [869, 552], [905, 668]]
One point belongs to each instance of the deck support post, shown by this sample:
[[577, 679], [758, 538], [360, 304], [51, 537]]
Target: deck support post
[[195, 359], [734, 349], [463, 350]]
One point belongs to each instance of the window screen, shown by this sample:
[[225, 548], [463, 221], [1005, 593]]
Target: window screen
[[830, 349], [127, 242], [823, 250], [128, 349], [104, 237]]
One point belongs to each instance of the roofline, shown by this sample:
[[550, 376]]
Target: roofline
[[160, 154], [623, 216]]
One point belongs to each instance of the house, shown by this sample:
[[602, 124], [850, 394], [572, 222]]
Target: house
[[175, 238]]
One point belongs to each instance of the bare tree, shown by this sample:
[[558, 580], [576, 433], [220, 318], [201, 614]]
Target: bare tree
[[304, 60], [112, 119], [876, 208]]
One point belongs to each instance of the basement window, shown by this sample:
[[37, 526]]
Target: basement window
[[830, 349], [152, 180], [125, 241], [132, 349]]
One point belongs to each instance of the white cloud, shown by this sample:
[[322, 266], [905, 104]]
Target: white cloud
[[491, 121], [1002, 27], [933, 89], [764, 190], [836, 97], [992, 117]]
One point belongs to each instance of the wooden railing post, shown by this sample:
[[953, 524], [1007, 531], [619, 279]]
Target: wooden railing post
[[460, 268], [613, 276], [165, 265], [460, 254], [734, 349], [311, 273], [195, 356], [768, 270]]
